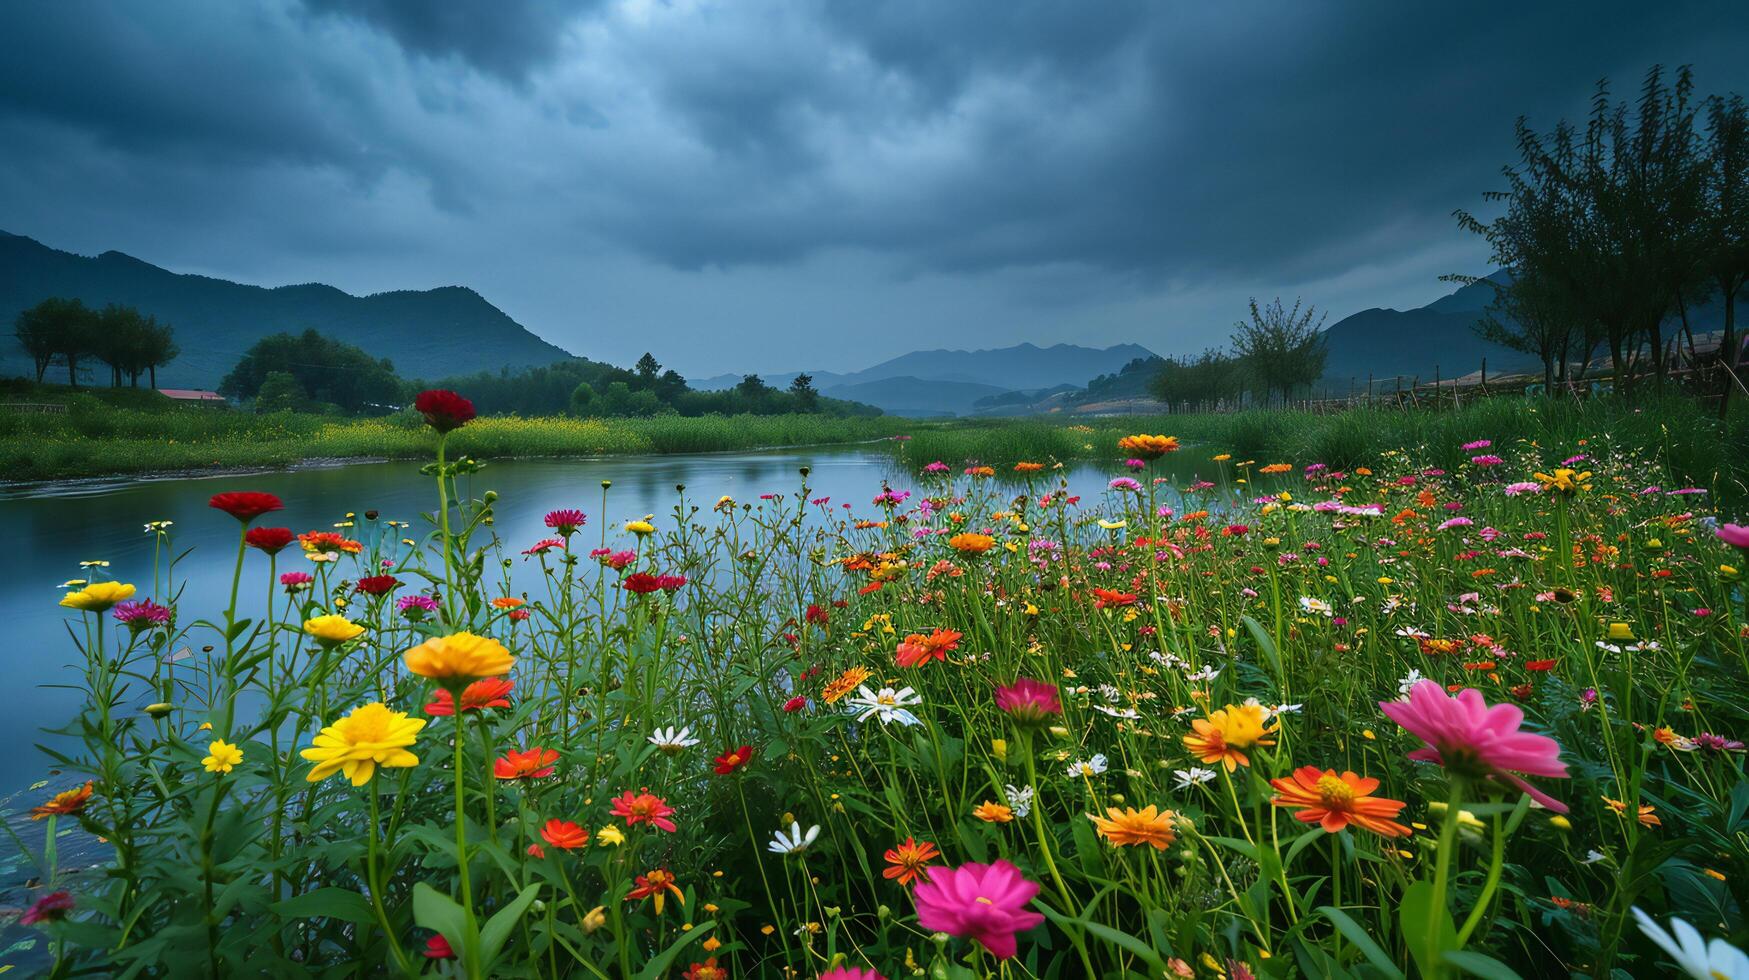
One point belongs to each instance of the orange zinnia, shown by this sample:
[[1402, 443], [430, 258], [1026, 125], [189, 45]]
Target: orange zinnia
[[564, 834], [536, 763], [918, 649], [1225, 734], [1334, 801], [909, 861], [65, 802], [993, 812], [1147, 446], [969, 543], [1130, 826], [843, 684]]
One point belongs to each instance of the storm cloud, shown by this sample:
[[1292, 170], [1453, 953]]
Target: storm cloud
[[841, 181]]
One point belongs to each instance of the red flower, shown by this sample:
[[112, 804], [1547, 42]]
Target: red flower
[[245, 505], [491, 692], [437, 948], [708, 970], [795, 704], [644, 808], [567, 521], [1106, 598], [47, 908], [564, 835], [378, 584], [643, 583], [536, 851], [734, 759], [670, 583], [535, 763], [444, 411], [269, 539], [1539, 665], [917, 649], [816, 615]]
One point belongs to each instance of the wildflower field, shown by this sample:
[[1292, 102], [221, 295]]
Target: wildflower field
[[1379, 719]]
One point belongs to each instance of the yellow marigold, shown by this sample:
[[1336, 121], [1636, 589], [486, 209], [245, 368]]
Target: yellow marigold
[[222, 756], [640, 528], [97, 596], [459, 656], [368, 737], [843, 684], [332, 628], [993, 812], [968, 543], [1147, 446], [1564, 481], [1274, 468], [1225, 734], [1130, 826]]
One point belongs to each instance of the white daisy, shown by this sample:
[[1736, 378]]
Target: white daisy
[[1128, 714], [671, 741], [1315, 606], [1195, 775], [1019, 799], [1409, 680], [1088, 767], [794, 842], [886, 703], [1717, 960]]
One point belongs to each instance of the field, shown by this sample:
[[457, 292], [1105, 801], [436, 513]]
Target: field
[[1461, 706]]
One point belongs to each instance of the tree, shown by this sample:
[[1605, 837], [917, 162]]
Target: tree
[[1530, 314], [753, 388], [807, 398], [1211, 376], [158, 350], [647, 369], [120, 341], [281, 392], [1280, 349], [43, 329], [330, 370], [582, 397], [1726, 225]]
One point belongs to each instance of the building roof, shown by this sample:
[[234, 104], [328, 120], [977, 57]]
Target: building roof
[[191, 394]]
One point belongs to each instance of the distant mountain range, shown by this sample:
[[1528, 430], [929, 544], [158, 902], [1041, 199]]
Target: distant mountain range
[[1439, 337], [952, 382], [426, 333]]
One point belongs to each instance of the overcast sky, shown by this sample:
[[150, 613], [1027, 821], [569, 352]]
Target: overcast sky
[[760, 186]]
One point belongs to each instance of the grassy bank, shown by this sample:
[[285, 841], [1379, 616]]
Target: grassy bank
[[121, 433]]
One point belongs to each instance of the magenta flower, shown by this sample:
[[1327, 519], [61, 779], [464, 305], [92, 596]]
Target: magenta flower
[[1029, 702], [56, 905], [851, 973], [566, 522], [1734, 535], [1472, 739], [140, 615], [986, 902]]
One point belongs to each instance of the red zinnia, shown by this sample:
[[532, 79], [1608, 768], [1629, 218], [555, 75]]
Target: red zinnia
[[643, 583], [644, 808], [437, 948], [444, 411], [378, 584], [670, 583], [535, 763], [1539, 665], [269, 539], [564, 835], [493, 692], [245, 505], [918, 649], [1106, 598], [734, 759]]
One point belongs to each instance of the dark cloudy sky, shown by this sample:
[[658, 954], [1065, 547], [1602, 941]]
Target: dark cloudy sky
[[751, 185]]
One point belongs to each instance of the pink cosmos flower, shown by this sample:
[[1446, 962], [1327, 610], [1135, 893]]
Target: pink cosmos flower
[[851, 973], [1029, 701], [986, 902], [1469, 737], [1734, 535]]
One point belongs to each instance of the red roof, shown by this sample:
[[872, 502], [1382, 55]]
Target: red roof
[[191, 394]]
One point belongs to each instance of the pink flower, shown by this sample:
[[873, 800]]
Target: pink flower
[[566, 521], [851, 973], [1470, 738], [1734, 535], [1029, 701], [986, 902], [56, 905]]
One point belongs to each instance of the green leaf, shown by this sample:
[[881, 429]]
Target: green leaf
[[659, 963], [326, 903], [496, 931], [1413, 911], [1264, 643], [1363, 942], [1480, 965], [1245, 848], [438, 912], [1301, 843]]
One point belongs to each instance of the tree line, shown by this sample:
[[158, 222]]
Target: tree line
[[1614, 230], [66, 332], [312, 372], [1276, 351]]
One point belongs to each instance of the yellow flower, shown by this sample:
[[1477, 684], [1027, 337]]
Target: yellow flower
[[640, 528], [1620, 631], [459, 656], [97, 596], [1147, 446], [368, 737], [1564, 481], [332, 628], [968, 543], [993, 812], [610, 835], [595, 919], [1130, 826], [999, 749], [221, 756], [1111, 525]]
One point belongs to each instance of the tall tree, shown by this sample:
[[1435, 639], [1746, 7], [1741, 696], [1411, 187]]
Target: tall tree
[[648, 370], [42, 330], [1726, 223], [159, 348], [807, 397], [1281, 348]]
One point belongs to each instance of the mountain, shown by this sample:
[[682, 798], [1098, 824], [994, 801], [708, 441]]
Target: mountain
[[1439, 337], [426, 333], [983, 372]]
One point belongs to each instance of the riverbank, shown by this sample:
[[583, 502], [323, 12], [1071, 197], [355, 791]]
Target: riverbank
[[99, 440]]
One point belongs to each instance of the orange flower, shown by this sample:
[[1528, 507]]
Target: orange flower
[[918, 649], [656, 885], [1130, 826], [969, 543], [65, 802], [1647, 817], [493, 692], [1274, 468], [535, 763], [708, 970], [508, 602], [1147, 446], [564, 835], [909, 861], [1334, 801], [1225, 734], [843, 684], [1028, 467], [993, 812]]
